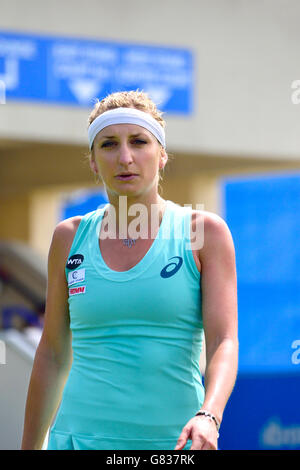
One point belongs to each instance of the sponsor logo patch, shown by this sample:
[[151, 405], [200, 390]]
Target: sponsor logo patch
[[76, 276], [74, 261], [77, 290], [172, 268]]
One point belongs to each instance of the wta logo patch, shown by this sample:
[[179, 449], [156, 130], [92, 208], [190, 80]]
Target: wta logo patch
[[77, 290], [74, 261]]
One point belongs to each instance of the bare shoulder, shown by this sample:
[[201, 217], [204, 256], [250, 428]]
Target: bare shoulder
[[210, 221], [215, 230], [63, 237], [67, 226]]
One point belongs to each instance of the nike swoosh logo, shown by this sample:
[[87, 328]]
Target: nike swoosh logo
[[167, 272]]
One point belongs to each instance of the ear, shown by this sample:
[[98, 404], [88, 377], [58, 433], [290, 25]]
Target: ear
[[163, 159], [93, 165]]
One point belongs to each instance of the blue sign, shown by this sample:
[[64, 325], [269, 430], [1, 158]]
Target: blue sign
[[263, 413], [69, 71], [263, 214], [82, 202]]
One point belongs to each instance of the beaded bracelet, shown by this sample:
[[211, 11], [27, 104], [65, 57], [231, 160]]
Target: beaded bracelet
[[209, 415]]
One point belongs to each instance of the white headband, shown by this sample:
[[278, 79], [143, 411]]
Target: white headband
[[126, 116]]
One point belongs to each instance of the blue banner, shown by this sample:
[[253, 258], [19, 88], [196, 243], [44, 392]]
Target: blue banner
[[81, 202], [263, 214], [263, 413], [76, 71]]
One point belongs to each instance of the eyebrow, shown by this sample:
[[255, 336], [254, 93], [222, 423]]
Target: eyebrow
[[114, 136]]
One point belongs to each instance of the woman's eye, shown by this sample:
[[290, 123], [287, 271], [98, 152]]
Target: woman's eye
[[108, 143], [112, 143]]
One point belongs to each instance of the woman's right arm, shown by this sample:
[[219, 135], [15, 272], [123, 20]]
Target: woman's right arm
[[54, 355]]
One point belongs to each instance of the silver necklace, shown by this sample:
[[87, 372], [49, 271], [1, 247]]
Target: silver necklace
[[129, 242]]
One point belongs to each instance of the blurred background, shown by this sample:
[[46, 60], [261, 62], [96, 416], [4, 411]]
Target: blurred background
[[227, 76]]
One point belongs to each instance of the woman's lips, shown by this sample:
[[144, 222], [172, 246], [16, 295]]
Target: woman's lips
[[126, 177]]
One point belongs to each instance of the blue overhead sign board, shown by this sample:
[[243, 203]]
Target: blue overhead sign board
[[72, 71]]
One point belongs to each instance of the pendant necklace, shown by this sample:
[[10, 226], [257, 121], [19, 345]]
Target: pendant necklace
[[129, 242]]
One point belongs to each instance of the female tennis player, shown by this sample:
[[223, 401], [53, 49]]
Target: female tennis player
[[129, 300]]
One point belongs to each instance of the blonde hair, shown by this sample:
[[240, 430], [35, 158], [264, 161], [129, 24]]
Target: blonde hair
[[127, 99]]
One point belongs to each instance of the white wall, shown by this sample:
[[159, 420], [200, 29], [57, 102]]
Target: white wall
[[247, 56]]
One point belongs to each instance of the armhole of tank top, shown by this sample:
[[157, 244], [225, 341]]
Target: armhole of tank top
[[187, 245]]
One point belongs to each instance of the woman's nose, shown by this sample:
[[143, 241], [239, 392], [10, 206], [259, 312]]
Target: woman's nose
[[125, 154]]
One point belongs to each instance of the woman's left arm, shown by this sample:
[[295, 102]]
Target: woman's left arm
[[219, 311]]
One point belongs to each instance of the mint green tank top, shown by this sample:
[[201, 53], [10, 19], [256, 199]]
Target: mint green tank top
[[136, 337]]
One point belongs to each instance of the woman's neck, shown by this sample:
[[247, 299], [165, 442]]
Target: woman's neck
[[135, 219]]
